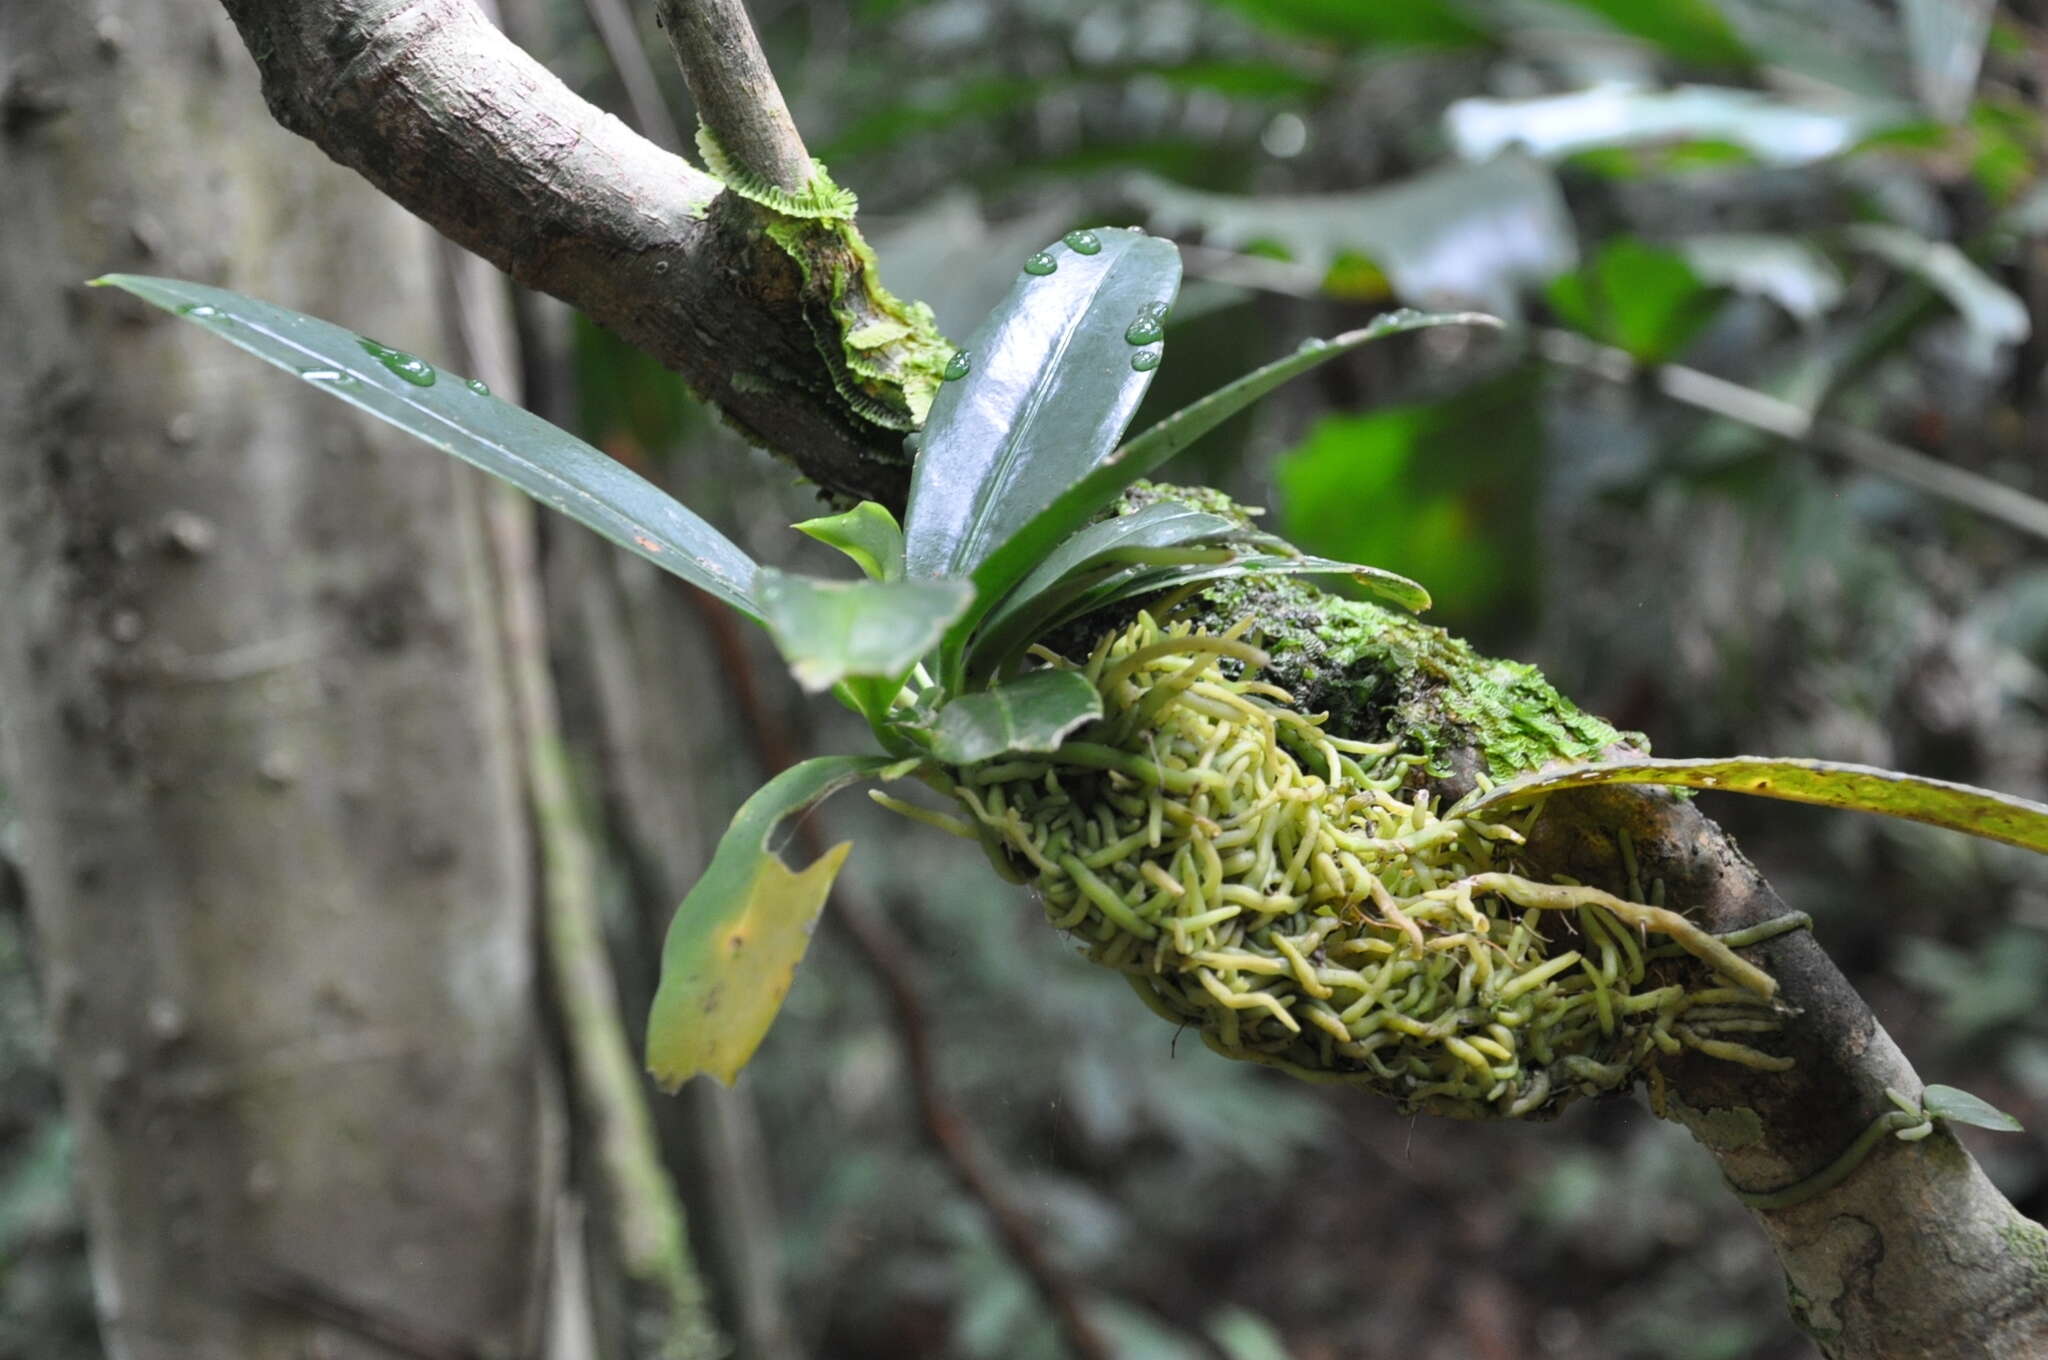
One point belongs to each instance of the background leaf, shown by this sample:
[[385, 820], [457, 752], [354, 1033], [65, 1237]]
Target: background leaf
[[1637, 298], [1049, 391], [1443, 491], [829, 630], [734, 945], [1993, 313], [549, 464], [1410, 23], [1785, 269], [1946, 39], [1859, 788], [1032, 713], [1692, 30], [1466, 235], [1773, 130]]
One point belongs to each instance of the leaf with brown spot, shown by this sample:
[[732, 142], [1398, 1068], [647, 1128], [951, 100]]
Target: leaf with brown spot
[[1859, 788], [735, 943]]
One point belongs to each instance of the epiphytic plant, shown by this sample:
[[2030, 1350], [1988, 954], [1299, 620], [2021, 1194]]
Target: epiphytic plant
[[1292, 892]]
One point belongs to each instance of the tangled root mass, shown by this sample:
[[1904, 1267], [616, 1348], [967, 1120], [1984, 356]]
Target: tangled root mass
[[1273, 886]]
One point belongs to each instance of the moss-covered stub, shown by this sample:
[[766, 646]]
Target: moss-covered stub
[[1383, 675], [885, 355]]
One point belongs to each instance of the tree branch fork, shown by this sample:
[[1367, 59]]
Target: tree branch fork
[[442, 113]]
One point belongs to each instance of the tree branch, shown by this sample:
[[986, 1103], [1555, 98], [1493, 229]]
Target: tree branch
[[735, 92], [1914, 1255], [1772, 415], [441, 112]]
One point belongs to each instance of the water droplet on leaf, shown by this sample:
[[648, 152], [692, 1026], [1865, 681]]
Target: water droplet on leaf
[[323, 375], [1083, 242], [957, 367], [478, 386], [410, 367], [1041, 264], [1149, 326], [1144, 361], [1401, 318], [199, 311]]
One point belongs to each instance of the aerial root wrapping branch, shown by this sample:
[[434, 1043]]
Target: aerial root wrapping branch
[[1277, 888]]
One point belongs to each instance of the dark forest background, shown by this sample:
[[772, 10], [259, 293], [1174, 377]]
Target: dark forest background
[[1836, 204]]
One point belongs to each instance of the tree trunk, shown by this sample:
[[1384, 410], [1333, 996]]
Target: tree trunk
[[252, 704]]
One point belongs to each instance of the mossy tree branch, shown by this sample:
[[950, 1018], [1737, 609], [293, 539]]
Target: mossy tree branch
[[1914, 1253]]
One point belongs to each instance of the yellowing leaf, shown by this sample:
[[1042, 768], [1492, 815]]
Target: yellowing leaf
[[1861, 788], [733, 948]]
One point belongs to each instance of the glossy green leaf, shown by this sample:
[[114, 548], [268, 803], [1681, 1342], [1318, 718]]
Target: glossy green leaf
[[1143, 455], [1048, 390], [1389, 586], [1860, 788], [1111, 543], [1960, 1107], [868, 534], [549, 464], [734, 945], [829, 630], [1032, 713]]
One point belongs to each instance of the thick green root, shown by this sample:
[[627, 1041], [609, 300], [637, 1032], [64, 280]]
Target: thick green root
[[1271, 885]]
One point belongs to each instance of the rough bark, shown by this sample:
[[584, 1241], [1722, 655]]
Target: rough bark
[[253, 711], [1915, 1255], [440, 111]]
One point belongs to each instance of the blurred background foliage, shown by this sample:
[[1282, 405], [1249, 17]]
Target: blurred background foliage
[[1836, 204]]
